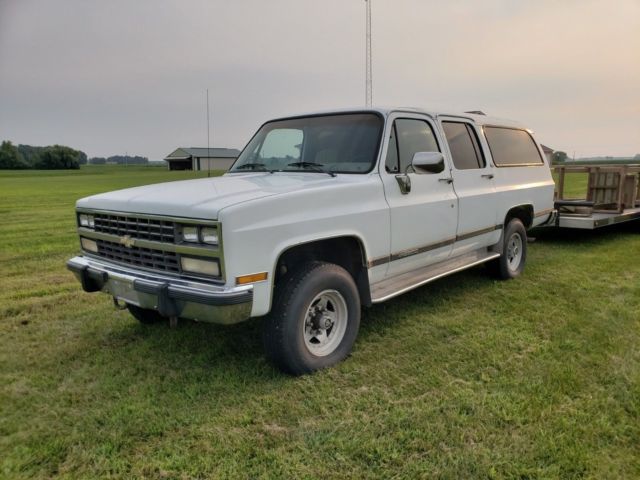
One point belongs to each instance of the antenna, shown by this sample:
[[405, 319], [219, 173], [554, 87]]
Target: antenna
[[208, 147], [369, 70]]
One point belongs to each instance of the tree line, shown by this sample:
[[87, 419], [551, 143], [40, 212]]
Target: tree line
[[559, 157], [54, 157], [119, 160]]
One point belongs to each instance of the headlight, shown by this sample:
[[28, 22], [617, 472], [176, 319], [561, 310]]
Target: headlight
[[197, 265], [87, 221], [190, 234], [209, 235]]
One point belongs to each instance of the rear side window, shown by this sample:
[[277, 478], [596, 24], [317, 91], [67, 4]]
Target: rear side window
[[463, 145], [512, 147]]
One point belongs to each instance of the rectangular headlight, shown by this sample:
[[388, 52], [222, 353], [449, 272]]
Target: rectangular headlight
[[190, 234], [89, 245], [87, 221], [198, 265], [209, 235]]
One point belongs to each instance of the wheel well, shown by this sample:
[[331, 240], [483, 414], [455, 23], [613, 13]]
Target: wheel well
[[348, 252], [522, 212]]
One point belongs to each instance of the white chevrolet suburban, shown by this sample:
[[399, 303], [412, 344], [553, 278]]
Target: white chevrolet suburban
[[320, 215]]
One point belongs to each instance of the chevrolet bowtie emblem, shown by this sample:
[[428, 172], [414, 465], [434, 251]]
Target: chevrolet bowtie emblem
[[127, 241]]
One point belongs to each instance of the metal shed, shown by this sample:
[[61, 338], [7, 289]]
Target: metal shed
[[196, 158]]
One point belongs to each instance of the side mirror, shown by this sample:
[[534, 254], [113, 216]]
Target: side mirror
[[428, 162]]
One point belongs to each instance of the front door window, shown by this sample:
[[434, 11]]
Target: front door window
[[408, 136]]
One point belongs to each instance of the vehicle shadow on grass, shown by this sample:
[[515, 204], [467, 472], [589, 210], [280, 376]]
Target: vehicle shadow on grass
[[432, 297], [238, 346], [188, 364], [237, 351]]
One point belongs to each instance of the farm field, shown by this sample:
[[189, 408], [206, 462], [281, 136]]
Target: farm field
[[467, 377]]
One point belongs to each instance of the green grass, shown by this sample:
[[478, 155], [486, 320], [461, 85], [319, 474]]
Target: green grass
[[465, 378], [575, 185]]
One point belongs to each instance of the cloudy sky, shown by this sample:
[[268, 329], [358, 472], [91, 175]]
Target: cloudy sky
[[110, 77]]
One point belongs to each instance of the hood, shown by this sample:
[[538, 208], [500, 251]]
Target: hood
[[205, 197]]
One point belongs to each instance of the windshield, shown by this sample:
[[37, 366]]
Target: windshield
[[332, 143]]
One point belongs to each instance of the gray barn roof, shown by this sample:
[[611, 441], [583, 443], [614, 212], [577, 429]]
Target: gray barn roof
[[184, 153], [546, 149]]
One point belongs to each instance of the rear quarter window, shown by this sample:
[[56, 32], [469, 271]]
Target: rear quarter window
[[512, 147]]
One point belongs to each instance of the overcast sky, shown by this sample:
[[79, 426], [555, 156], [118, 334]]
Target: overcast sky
[[110, 77]]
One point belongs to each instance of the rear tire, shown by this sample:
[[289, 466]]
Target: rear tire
[[145, 315], [514, 252], [314, 319]]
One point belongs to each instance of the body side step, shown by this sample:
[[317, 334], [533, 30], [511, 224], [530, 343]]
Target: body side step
[[392, 287]]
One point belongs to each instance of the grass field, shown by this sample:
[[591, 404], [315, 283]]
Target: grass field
[[465, 378]]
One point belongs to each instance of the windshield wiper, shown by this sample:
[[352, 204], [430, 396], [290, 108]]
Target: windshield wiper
[[250, 165], [314, 165]]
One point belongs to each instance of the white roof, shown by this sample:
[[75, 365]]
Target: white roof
[[385, 111]]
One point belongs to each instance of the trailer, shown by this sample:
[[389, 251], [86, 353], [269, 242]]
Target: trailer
[[612, 196]]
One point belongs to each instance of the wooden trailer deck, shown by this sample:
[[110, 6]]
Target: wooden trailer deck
[[612, 196], [596, 220]]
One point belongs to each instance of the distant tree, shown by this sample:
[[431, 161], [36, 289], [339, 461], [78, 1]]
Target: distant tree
[[58, 157], [97, 160], [559, 157], [82, 157], [30, 154], [637, 157], [10, 157]]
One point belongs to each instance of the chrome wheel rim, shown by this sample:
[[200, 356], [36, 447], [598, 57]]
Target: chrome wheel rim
[[514, 251], [325, 323]]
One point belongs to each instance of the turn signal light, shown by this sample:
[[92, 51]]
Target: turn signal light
[[254, 277]]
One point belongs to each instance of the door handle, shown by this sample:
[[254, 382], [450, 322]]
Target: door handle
[[488, 176], [448, 180]]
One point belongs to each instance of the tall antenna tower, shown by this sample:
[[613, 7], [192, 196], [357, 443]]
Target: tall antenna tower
[[208, 145], [369, 73]]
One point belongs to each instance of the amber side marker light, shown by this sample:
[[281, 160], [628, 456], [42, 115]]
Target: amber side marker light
[[254, 277]]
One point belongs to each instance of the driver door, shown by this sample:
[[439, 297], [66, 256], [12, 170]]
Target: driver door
[[423, 219]]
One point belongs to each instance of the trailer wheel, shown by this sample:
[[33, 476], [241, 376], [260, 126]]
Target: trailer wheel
[[314, 320], [145, 315], [514, 252]]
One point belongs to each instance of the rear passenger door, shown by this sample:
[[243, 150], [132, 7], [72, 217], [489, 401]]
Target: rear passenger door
[[473, 182]]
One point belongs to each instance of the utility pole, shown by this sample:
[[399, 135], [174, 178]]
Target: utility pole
[[369, 70]]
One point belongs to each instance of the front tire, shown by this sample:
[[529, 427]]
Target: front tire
[[314, 320], [514, 251]]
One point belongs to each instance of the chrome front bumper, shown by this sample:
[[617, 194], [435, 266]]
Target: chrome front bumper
[[170, 296]]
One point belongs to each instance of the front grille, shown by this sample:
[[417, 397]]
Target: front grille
[[142, 228], [142, 257]]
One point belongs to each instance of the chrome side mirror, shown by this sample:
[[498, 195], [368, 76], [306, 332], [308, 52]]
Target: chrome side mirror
[[428, 162]]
